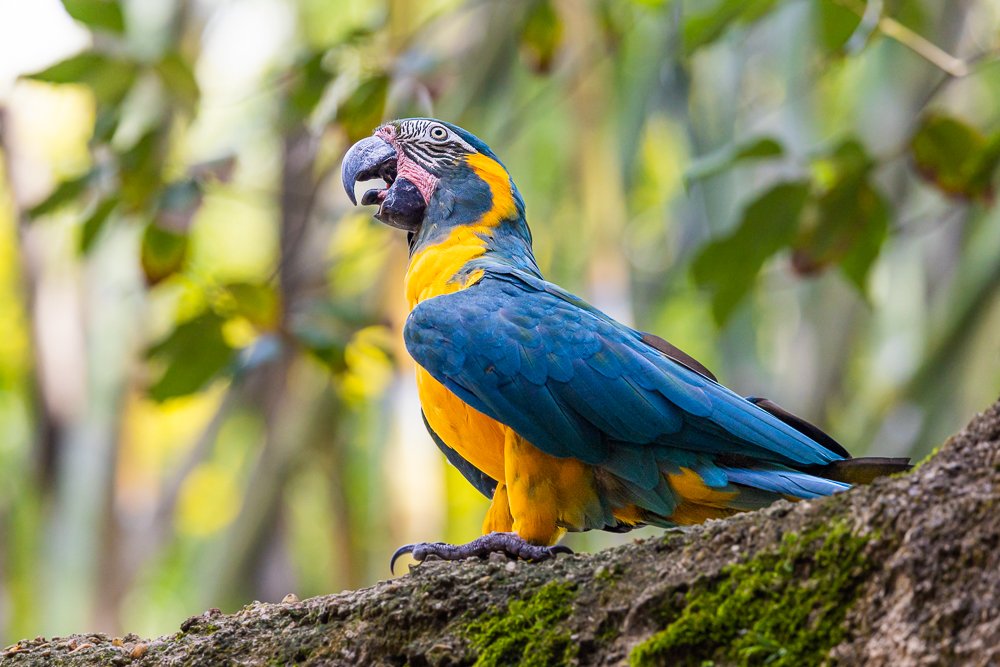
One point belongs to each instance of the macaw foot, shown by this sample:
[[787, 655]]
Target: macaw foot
[[510, 544]]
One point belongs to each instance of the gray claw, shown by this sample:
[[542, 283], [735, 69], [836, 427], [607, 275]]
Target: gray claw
[[510, 544]]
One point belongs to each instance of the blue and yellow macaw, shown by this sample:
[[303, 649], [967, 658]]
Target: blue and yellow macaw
[[567, 419]]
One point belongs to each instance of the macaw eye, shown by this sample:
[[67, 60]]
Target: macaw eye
[[438, 133]]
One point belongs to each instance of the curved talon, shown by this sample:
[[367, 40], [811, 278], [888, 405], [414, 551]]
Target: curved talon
[[510, 544], [405, 549], [560, 549], [419, 551]]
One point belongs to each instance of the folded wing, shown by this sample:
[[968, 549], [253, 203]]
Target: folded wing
[[577, 384]]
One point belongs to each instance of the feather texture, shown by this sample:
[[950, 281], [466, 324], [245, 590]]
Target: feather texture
[[567, 418]]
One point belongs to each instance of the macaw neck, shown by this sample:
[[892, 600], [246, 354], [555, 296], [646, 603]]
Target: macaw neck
[[473, 222]]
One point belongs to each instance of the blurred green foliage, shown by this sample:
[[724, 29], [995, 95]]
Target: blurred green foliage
[[729, 266], [203, 396]]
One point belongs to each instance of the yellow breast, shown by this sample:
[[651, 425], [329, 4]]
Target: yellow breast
[[540, 496], [477, 438], [434, 271]]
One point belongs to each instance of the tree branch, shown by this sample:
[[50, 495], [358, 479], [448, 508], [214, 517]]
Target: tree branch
[[917, 43], [905, 571]]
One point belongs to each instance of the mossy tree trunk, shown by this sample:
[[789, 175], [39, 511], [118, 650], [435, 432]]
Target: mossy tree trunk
[[903, 572]]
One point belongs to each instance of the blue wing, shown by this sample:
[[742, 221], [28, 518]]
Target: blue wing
[[576, 383]]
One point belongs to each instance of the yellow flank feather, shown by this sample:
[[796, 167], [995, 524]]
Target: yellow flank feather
[[692, 488], [475, 437], [547, 495], [691, 514], [498, 518], [631, 515]]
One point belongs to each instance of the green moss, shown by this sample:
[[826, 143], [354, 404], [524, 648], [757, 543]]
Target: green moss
[[921, 462], [786, 607], [607, 634], [608, 573], [527, 632]]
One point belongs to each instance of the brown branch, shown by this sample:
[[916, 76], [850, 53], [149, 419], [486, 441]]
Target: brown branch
[[910, 563], [917, 43]]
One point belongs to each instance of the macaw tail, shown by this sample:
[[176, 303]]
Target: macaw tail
[[864, 470], [715, 492], [705, 486]]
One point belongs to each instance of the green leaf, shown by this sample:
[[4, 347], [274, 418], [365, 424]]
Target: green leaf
[[834, 25], [360, 113], [847, 220], [99, 14], [728, 267], [108, 78], [179, 79], [942, 147], [867, 241], [194, 353], [75, 69], [914, 14], [765, 147], [180, 195], [105, 124], [983, 167], [140, 170], [66, 192], [163, 253], [179, 201], [847, 226], [710, 20], [850, 158], [219, 170], [259, 304], [306, 88], [94, 223], [541, 35], [956, 157], [609, 19], [724, 158], [324, 329]]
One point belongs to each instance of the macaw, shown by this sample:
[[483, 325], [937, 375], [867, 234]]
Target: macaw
[[567, 419]]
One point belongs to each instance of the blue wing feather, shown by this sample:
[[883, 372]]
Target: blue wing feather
[[789, 482], [575, 383]]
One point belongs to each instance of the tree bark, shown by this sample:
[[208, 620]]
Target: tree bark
[[905, 571]]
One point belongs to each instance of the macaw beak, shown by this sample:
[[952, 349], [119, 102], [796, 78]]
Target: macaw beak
[[400, 203]]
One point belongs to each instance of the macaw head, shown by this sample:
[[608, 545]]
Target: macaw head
[[432, 170]]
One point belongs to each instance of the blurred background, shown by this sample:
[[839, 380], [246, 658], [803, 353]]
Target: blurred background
[[204, 399]]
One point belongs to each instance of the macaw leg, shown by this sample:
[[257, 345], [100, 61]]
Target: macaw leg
[[497, 538], [540, 496], [498, 518], [510, 544]]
